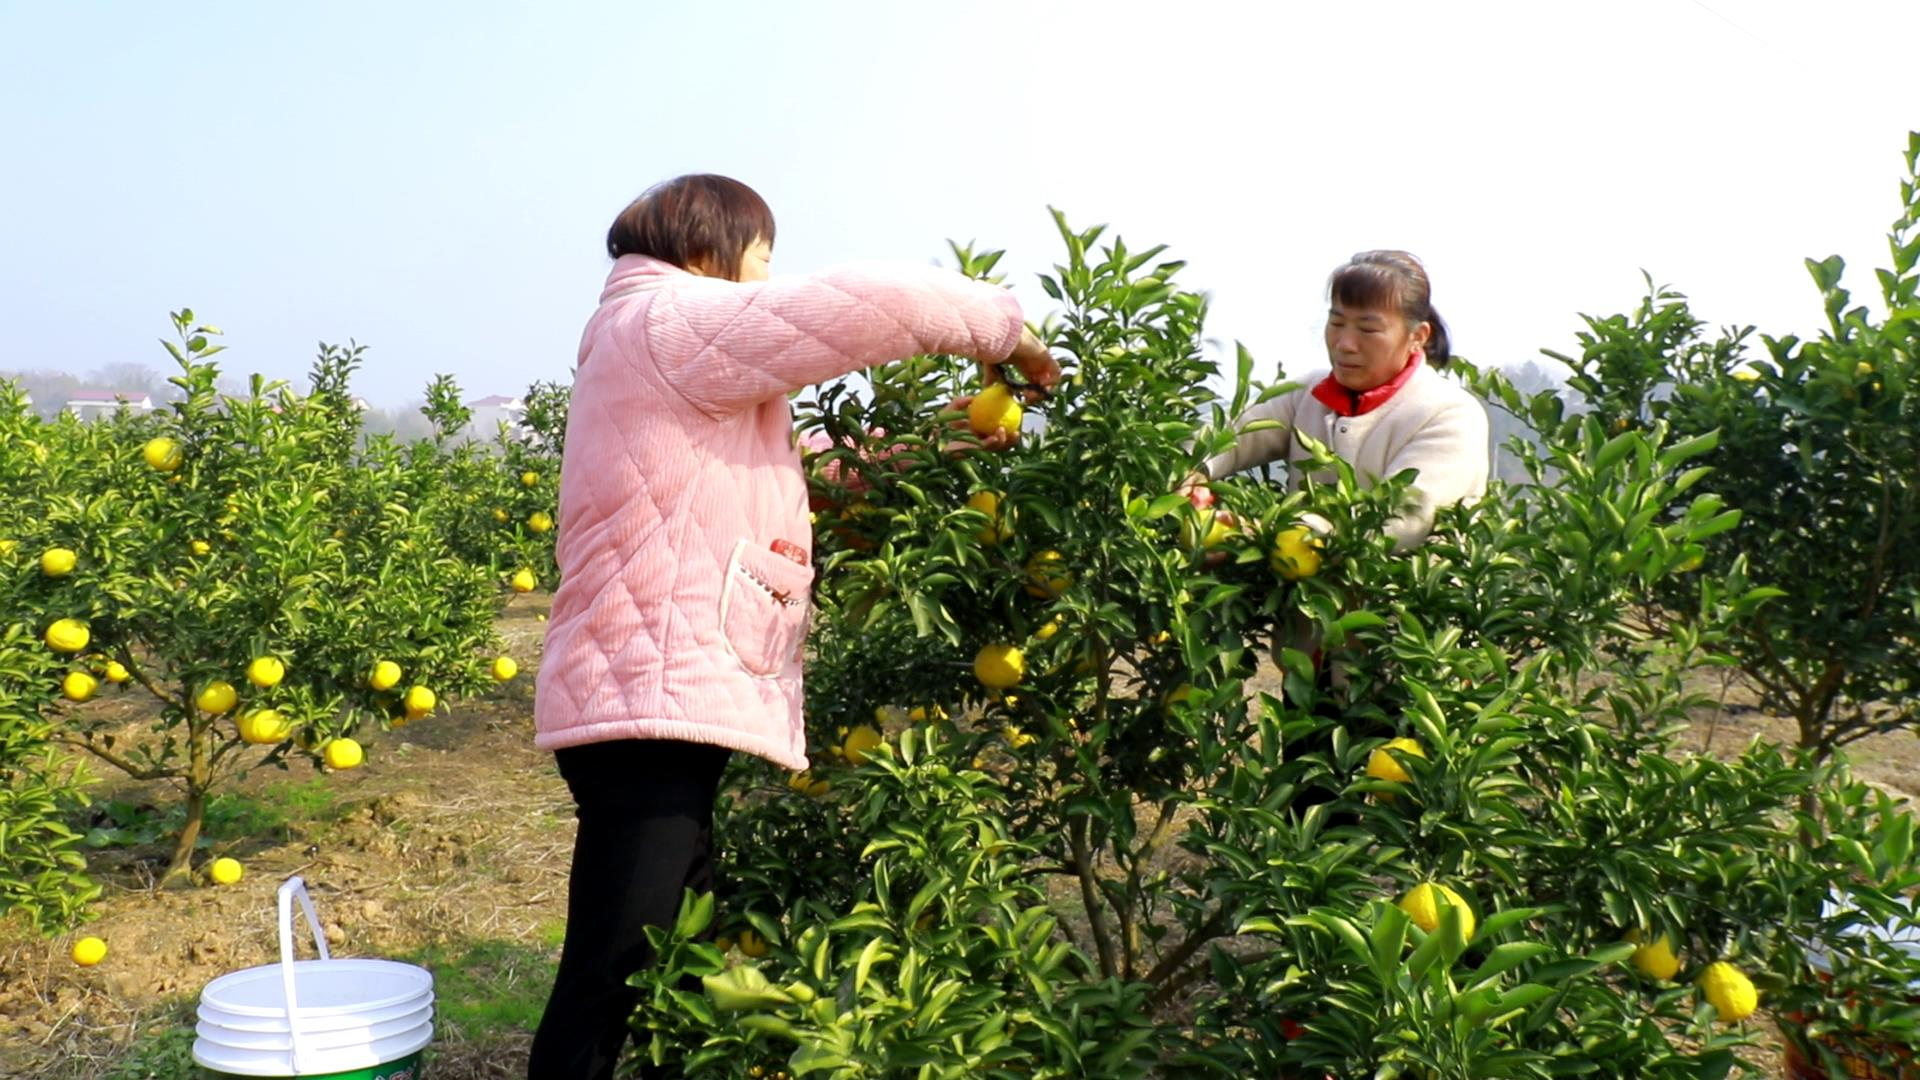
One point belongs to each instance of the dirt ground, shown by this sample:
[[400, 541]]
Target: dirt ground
[[448, 849]]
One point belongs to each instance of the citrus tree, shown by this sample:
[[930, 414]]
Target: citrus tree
[[42, 873], [1819, 446], [1063, 821], [234, 560]]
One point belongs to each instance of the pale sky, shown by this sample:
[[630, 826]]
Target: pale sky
[[435, 180]]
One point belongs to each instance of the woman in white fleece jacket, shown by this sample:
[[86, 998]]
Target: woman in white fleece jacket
[[1384, 408]]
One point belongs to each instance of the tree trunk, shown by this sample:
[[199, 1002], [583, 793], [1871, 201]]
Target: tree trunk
[[199, 779]]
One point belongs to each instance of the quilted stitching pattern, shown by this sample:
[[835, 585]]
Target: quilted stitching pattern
[[680, 444]]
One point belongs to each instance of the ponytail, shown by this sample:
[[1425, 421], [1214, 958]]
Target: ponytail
[[1439, 346]]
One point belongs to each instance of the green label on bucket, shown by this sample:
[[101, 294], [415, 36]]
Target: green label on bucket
[[407, 1068]]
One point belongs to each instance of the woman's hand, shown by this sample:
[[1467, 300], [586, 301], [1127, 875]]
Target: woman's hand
[[1195, 488], [998, 439]]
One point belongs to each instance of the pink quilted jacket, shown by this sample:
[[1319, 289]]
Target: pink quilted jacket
[[676, 616]]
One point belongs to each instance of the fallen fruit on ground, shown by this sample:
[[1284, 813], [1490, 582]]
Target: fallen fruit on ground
[[89, 951], [225, 871]]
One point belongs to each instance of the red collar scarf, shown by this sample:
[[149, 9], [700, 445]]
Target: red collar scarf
[[1345, 402]]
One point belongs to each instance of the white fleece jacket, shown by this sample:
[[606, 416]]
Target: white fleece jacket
[[1432, 425]]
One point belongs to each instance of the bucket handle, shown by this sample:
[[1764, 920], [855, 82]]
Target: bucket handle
[[291, 889]]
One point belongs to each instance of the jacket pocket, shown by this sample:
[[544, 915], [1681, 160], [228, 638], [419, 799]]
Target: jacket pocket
[[765, 606]]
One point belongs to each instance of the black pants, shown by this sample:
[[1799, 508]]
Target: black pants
[[646, 834]]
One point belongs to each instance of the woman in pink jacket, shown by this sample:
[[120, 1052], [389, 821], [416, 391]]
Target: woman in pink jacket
[[684, 551]]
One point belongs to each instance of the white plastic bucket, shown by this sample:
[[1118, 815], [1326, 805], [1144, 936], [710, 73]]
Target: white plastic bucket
[[325, 1018]]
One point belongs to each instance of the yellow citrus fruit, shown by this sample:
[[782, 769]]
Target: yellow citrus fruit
[[1205, 530], [752, 944], [1048, 629], [68, 635], [1422, 904], [1046, 578], [386, 675], [1862, 369], [420, 701], [1017, 738], [78, 685], [997, 528], [529, 478], [266, 672], [499, 515], [1160, 638], [504, 668], [523, 580], [994, 409], [920, 714], [263, 727], [858, 741], [199, 547], [999, 667], [539, 521], [342, 754], [58, 562], [117, 672], [1296, 553], [89, 951], [1746, 374], [225, 871], [1657, 960], [217, 697], [162, 454], [1382, 766], [1729, 991], [806, 784]]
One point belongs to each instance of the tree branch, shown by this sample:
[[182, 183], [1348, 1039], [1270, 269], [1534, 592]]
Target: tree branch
[[118, 761], [1090, 896], [1162, 973]]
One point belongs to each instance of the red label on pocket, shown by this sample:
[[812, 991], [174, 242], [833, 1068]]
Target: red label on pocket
[[791, 550]]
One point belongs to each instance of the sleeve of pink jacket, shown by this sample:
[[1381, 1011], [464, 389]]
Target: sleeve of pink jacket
[[727, 346]]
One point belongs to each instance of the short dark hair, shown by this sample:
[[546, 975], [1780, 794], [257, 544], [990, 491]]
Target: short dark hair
[[698, 222], [1382, 280]]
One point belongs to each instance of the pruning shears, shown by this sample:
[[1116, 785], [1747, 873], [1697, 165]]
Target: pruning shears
[[1016, 379]]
